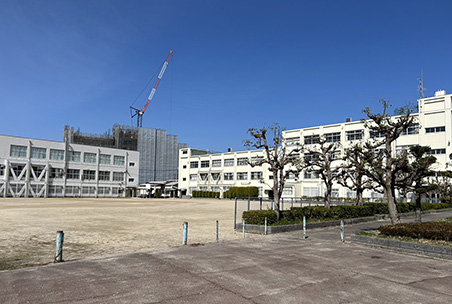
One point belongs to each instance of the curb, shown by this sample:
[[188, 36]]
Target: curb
[[404, 246], [260, 229]]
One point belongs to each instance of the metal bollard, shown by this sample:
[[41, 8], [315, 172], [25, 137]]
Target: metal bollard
[[249, 205], [342, 230], [235, 214], [217, 232], [304, 227], [59, 247], [266, 227], [184, 241], [243, 228]]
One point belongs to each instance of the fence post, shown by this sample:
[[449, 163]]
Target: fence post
[[243, 224], [260, 203], [342, 230], [184, 241], [235, 214], [217, 232], [265, 231], [291, 202], [59, 247]]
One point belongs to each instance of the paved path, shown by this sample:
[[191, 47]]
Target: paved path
[[281, 268]]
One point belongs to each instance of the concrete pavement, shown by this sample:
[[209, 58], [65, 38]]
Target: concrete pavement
[[281, 268]]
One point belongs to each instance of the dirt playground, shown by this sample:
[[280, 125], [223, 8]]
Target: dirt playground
[[103, 227]]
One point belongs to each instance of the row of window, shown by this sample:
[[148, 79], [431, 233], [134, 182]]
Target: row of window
[[435, 129], [75, 156], [437, 151], [242, 161], [226, 176], [88, 175], [77, 190], [357, 135], [71, 173]]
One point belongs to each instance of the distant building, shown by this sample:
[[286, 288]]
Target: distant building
[[158, 150], [42, 168], [218, 172], [202, 170]]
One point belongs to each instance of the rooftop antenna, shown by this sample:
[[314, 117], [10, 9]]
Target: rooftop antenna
[[421, 84]]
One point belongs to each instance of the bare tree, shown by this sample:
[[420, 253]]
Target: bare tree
[[419, 169], [319, 159], [383, 167], [352, 174], [278, 156]]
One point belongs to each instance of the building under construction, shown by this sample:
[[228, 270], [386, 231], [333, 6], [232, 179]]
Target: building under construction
[[159, 151]]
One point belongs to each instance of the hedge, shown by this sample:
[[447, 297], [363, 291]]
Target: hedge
[[241, 192], [295, 214], [430, 230], [209, 194], [257, 217]]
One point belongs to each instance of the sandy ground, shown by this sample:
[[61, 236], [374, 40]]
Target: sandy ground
[[102, 227]]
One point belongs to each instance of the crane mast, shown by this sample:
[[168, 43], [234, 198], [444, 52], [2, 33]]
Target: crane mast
[[139, 113]]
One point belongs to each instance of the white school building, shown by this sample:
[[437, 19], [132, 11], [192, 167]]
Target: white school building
[[202, 170], [42, 168]]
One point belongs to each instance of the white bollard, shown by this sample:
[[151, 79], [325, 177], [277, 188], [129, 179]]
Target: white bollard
[[184, 241], [304, 227], [217, 232], [342, 230], [59, 247]]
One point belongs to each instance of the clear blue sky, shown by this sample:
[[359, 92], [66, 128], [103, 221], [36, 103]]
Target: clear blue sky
[[236, 64]]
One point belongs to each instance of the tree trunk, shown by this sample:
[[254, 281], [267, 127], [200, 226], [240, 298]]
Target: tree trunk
[[276, 197], [359, 198], [327, 197], [393, 214], [418, 218]]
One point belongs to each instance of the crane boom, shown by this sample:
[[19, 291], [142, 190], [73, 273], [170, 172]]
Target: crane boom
[[151, 95]]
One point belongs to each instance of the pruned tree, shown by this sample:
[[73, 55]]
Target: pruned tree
[[419, 170], [319, 159], [278, 156], [352, 174], [439, 183], [383, 167]]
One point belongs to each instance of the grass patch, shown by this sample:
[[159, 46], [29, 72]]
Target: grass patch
[[439, 230], [431, 233], [376, 234]]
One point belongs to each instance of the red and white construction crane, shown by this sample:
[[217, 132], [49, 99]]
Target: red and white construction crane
[[139, 113]]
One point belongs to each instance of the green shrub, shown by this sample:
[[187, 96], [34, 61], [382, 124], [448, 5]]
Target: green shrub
[[241, 192], [430, 230], [205, 194], [377, 208], [257, 217], [295, 214], [446, 200]]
